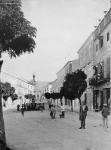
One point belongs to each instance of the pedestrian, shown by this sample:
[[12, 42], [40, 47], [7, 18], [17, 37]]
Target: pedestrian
[[62, 115], [50, 105], [53, 112], [105, 113], [18, 107], [83, 114], [22, 110]]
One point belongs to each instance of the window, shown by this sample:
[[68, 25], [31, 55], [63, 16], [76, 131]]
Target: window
[[108, 67], [108, 36], [101, 42]]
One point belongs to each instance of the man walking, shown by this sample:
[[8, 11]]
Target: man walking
[[83, 114], [62, 115], [22, 110], [105, 113]]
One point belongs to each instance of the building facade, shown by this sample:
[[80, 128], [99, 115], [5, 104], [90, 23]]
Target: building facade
[[86, 61], [102, 63], [21, 86], [95, 61]]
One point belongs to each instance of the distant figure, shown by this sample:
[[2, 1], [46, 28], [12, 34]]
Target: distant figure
[[53, 112], [18, 107], [105, 113], [83, 114], [62, 115], [22, 110], [50, 105]]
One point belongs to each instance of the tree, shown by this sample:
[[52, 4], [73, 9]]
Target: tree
[[55, 95], [2, 128], [14, 97], [16, 37], [47, 95], [16, 33], [74, 85], [7, 90]]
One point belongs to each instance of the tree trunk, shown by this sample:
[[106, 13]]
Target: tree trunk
[[2, 128], [71, 106], [79, 101]]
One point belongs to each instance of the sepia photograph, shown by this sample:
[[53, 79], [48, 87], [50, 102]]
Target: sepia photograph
[[55, 75]]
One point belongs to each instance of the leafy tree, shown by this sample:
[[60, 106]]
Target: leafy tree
[[74, 85], [16, 37], [16, 33], [47, 95], [7, 90], [14, 97], [55, 95]]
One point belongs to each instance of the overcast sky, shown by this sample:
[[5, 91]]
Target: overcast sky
[[62, 27]]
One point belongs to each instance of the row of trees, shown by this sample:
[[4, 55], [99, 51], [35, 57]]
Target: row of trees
[[73, 87], [17, 37]]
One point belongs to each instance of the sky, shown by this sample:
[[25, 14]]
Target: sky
[[62, 27]]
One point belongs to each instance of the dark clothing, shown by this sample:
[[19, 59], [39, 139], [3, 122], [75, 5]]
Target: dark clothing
[[82, 115], [62, 115], [105, 112], [83, 112], [22, 111], [53, 112], [18, 107]]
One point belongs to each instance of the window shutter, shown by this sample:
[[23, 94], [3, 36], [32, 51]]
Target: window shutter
[[108, 67]]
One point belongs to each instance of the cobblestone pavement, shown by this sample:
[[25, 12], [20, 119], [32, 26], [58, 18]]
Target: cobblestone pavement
[[37, 131]]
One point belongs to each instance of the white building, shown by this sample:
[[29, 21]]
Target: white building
[[21, 86]]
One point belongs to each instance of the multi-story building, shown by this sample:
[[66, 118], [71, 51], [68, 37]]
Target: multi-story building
[[69, 67], [21, 86], [60, 78], [86, 61], [102, 62], [55, 86]]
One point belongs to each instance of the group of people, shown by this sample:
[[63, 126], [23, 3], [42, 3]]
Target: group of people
[[52, 108], [83, 115]]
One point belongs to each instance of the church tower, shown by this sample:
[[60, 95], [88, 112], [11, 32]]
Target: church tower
[[34, 81]]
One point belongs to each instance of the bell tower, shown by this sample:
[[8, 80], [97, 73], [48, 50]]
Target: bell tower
[[34, 78]]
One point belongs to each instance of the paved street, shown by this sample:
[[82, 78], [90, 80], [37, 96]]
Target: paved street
[[37, 131]]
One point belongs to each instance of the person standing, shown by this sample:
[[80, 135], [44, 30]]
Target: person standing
[[83, 114], [22, 110], [62, 115], [105, 113], [53, 112], [49, 105]]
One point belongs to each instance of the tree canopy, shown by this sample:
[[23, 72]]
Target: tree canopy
[[8, 91], [14, 97], [16, 33], [47, 95], [74, 85]]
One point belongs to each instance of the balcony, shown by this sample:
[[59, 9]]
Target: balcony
[[96, 80]]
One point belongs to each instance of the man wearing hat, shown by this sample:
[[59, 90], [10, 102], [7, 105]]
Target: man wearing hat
[[105, 113]]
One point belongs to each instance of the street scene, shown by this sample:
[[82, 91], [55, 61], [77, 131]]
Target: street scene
[[55, 75], [38, 132]]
